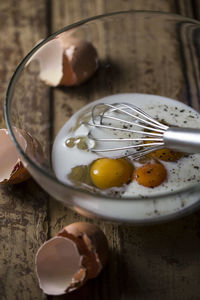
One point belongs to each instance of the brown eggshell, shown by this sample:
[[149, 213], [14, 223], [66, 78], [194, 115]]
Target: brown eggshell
[[33, 149], [12, 170], [59, 266], [65, 60], [80, 61], [84, 262], [18, 175], [95, 242]]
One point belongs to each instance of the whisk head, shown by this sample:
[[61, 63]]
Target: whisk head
[[122, 129]]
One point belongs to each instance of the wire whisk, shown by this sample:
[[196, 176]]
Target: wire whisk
[[122, 129]]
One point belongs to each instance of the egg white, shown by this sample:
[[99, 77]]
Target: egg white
[[181, 174]]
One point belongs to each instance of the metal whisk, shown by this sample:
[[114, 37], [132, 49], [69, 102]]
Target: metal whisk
[[122, 129]]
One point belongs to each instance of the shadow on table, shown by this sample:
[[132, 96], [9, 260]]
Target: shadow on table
[[162, 259], [153, 261], [147, 263]]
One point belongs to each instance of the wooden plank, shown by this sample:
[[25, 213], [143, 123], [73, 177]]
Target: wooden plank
[[23, 208], [196, 5], [161, 261], [68, 12], [185, 8], [23, 217], [145, 262]]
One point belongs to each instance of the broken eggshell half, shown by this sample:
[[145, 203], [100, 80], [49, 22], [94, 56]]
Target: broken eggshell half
[[12, 170], [66, 61], [68, 260], [80, 61]]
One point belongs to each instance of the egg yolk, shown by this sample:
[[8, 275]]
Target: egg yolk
[[106, 172], [166, 155], [150, 175]]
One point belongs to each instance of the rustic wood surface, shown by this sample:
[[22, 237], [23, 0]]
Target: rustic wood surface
[[154, 262], [23, 208]]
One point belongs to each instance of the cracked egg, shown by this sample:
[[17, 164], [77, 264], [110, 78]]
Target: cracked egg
[[66, 61], [12, 170], [68, 260]]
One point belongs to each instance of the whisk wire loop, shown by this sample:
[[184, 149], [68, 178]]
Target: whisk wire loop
[[140, 133], [133, 108], [123, 129], [145, 133]]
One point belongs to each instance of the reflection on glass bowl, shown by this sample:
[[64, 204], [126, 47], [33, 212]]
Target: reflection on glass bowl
[[138, 52]]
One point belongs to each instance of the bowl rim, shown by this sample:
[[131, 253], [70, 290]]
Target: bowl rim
[[45, 172]]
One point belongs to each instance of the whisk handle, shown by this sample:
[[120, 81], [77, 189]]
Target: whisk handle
[[182, 139]]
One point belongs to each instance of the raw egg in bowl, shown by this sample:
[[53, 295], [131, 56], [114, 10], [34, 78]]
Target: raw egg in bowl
[[113, 58]]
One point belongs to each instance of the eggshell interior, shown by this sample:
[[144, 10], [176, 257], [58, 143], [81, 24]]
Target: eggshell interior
[[8, 153], [57, 263], [94, 240], [50, 57]]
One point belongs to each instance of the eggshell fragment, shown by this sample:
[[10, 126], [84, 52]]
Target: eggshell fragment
[[80, 61], [66, 61], [12, 171], [68, 260], [50, 58]]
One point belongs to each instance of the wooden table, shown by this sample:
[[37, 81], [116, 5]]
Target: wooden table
[[154, 262]]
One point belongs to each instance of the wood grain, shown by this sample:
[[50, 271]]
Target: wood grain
[[23, 208], [68, 12], [155, 262], [145, 262]]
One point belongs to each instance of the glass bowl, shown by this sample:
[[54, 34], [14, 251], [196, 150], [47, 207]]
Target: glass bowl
[[139, 52]]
